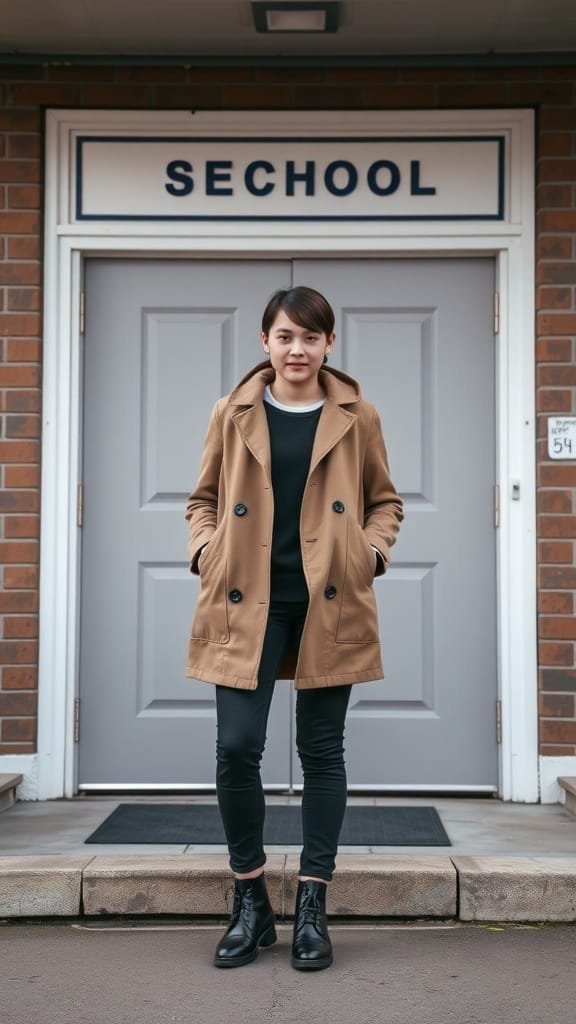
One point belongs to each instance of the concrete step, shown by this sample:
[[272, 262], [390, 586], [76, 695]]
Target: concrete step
[[569, 786], [365, 886], [8, 785]]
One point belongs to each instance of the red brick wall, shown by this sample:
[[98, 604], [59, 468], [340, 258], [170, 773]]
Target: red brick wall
[[23, 93]]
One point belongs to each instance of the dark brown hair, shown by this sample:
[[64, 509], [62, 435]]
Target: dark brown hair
[[304, 306]]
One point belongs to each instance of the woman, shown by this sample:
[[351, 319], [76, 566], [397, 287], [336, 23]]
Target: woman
[[293, 515]]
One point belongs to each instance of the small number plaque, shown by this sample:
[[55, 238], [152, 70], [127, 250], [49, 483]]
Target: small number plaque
[[562, 437]]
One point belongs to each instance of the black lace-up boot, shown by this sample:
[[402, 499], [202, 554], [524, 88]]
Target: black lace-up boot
[[251, 926], [311, 947]]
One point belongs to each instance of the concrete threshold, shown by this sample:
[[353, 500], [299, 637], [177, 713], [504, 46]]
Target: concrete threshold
[[483, 889]]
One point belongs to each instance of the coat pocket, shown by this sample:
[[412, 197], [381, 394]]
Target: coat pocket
[[210, 621], [358, 618]]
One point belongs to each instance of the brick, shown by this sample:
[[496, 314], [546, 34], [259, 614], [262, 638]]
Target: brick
[[15, 552], [17, 376], [254, 96], [553, 401], [332, 97], [555, 144], [23, 350], [22, 401], [81, 74], [216, 76], [20, 273], [19, 170], [16, 602], [20, 223], [15, 703], [17, 652], [556, 654], [152, 75], [549, 602], [554, 248], [556, 551], [359, 76], [503, 74], [556, 323], [556, 705], [24, 324], [19, 120], [557, 731], [546, 298], [550, 350], [27, 146], [24, 197], [540, 92], [19, 451], [434, 75], [22, 476], [556, 273], [21, 577], [557, 119], [19, 501], [558, 196], [555, 475], [556, 220], [471, 95], [18, 729], [25, 249], [562, 376], [116, 96], [554, 750], [295, 76], [17, 748], [21, 527], [46, 94], [399, 97], [556, 526], [24, 299], [19, 678], [557, 628], [559, 679], [554, 501], [23, 426], [20, 627]]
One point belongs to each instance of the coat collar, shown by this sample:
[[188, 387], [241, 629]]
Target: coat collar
[[334, 422]]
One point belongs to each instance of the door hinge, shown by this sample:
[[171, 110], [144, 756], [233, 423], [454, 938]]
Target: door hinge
[[80, 505], [76, 719], [82, 312], [496, 505], [496, 312], [498, 721]]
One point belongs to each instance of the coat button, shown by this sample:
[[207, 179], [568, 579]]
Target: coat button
[[330, 592], [235, 596], [240, 509], [338, 506]]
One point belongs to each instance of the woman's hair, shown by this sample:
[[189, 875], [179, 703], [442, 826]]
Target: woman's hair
[[304, 306]]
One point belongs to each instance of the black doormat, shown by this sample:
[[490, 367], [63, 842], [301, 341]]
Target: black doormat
[[199, 824]]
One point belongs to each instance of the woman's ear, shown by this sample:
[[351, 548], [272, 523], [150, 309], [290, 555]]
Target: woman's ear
[[264, 340]]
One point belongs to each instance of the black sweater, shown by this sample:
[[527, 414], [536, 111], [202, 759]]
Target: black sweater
[[291, 440]]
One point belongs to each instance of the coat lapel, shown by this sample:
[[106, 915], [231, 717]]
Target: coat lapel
[[334, 422], [252, 426]]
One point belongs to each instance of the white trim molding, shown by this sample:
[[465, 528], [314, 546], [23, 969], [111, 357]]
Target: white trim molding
[[510, 240], [551, 769]]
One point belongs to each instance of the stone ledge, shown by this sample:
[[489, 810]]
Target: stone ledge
[[41, 886], [372, 885], [9, 781], [172, 884], [568, 784], [517, 888]]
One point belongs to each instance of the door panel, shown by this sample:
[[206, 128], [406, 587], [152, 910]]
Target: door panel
[[417, 334], [164, 340]]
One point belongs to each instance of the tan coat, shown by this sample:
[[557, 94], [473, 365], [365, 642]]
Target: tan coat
[[349, 504]]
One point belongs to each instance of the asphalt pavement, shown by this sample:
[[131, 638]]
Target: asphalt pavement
[[119, 972]]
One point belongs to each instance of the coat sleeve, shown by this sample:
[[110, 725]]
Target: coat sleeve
[[383, 509], [202, 505]]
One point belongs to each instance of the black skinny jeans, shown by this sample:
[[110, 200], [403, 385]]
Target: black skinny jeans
[[242, 717]]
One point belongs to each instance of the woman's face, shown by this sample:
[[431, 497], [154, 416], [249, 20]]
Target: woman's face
[[296, 353]]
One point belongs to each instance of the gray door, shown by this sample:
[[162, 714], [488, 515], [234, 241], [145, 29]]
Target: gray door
[[163, 340], [418, 335]]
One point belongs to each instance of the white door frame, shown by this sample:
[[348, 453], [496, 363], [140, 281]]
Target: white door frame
[[51, 772]]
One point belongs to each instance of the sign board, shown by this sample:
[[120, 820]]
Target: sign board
[[376, 178], [562, 437]]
